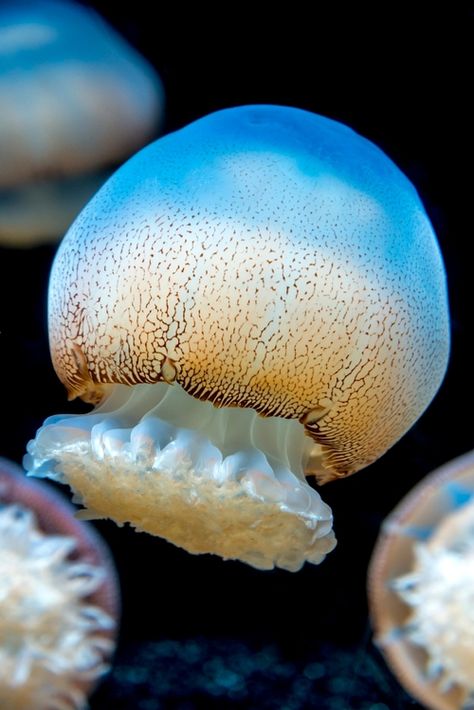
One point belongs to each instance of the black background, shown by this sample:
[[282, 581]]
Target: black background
[[403, 79]]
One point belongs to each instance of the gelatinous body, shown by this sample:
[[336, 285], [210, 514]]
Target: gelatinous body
[[263, 259], [421, 588], [58, 599], [75, 99]]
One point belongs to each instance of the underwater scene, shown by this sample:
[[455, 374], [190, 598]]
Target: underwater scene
[[236, 449]]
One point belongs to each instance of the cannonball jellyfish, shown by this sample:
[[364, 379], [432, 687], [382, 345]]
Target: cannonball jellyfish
[[75, 99], [421, 588], [249, 300], [59, 599]]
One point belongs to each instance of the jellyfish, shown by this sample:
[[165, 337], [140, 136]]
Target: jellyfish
[[421, 588], [75, 99], [252, 299], [59, 600]]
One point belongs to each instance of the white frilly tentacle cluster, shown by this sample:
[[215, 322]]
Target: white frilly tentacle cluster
[[219, 480], [440, 593], [52, 641]]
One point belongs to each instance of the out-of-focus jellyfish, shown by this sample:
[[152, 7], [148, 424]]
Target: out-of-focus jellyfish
[[253, 298], [74, 100], [59, 599], [421, 588]]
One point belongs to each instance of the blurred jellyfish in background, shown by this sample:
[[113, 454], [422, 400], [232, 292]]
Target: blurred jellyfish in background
[[59, 599], [252, 299], [421, 588], [75, 99]]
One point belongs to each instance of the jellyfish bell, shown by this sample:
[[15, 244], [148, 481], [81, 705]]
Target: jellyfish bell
[[75, 100], [253, 298], [59, 598]]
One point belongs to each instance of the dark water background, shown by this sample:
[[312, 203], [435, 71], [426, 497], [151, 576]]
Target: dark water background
[[198, 632]]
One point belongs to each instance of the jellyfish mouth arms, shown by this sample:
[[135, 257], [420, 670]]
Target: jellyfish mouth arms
[[220, 480]]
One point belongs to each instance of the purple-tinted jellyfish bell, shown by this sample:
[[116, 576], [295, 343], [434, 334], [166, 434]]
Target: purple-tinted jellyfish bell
[[59, 599], [75, 99], [421, 588], [253, 298]]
